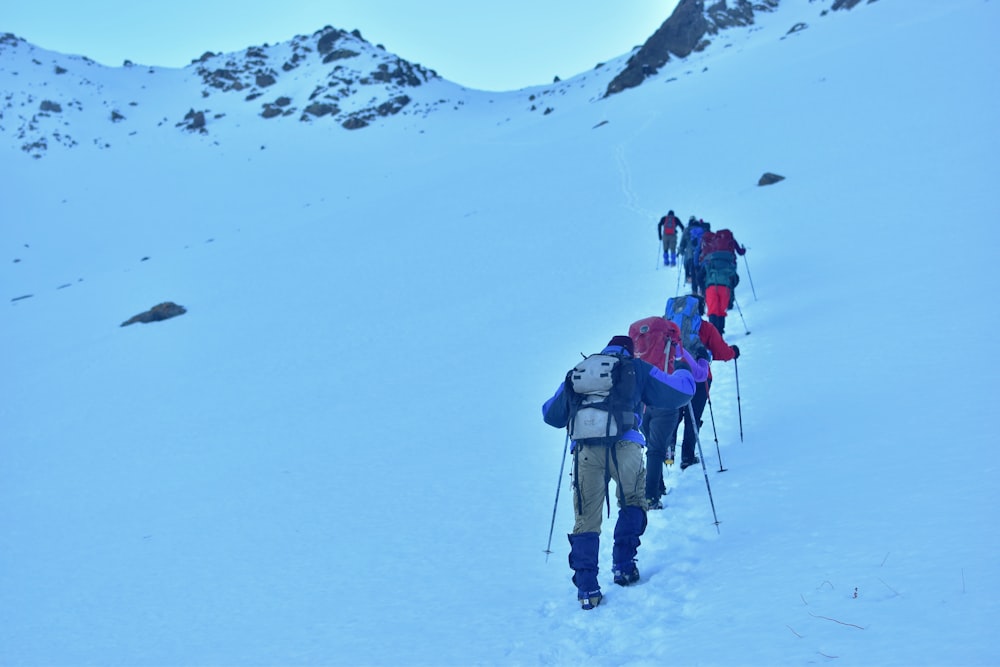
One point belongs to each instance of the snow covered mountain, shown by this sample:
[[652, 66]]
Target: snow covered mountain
[[335, 455], [332, 76]]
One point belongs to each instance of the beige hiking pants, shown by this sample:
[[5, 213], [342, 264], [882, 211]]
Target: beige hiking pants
[[591, 463]]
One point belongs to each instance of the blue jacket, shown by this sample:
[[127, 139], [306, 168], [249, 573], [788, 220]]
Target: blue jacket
[[652, 387]]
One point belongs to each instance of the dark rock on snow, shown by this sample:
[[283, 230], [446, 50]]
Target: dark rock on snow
[[161, 311]]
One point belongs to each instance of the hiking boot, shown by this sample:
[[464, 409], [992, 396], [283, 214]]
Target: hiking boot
[[654, 504], [590, 600], [624, 576], [685, 464]]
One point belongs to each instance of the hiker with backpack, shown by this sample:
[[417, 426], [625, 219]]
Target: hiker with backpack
[[658, 341], [682, 247], [700, 335], [718, 260], [690, 247], [667, 231], [598, 404]]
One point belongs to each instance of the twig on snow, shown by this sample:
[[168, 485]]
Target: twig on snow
[[889, 587], [836, 621]]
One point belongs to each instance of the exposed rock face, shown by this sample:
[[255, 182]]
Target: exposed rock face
[[194, 121], [847, 4], [264, 80], [769, 179], [679, 35], [161, 311], [319, 110], [685, 32]]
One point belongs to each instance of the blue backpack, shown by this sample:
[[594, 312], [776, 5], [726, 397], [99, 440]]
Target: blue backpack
[[684, 311], [695, 243]]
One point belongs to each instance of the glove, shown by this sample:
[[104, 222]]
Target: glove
[[736, 351]]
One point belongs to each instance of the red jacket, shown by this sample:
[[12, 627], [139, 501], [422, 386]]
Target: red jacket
[[713, 342]]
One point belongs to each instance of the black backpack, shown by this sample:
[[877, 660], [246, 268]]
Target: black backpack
[[601, 392]]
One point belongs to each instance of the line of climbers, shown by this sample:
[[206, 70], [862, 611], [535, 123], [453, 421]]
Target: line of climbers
[[709, 260], [633, 394]]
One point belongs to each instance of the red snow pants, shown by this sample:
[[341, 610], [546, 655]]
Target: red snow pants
[[717, 300]]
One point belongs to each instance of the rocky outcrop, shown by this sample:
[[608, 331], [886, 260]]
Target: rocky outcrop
[[686, 31], [159, 312], [339, 52], [194, 121], [848, 4], [359, 119], [680, 35]]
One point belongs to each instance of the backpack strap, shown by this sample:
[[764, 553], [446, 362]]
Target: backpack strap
[[576, 477], [618, 487], [608, 453]]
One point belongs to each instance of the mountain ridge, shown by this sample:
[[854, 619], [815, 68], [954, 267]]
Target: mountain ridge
[[331, 76]]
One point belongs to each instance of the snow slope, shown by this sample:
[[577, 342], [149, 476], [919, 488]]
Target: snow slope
[[336, 457]]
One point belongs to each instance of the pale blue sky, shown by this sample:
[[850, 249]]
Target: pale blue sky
[[488, 45]]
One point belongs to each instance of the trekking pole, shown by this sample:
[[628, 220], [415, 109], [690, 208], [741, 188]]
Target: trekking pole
[[562, 467], [716, 433], [747, 264], [739, 408], [658, 256], [677, 292], [740, 311], [697, 439]]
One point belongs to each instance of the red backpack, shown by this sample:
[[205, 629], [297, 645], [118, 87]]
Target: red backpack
[[652, 336], [670, 224], [720, 241]]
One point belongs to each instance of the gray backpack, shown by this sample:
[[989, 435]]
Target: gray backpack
[[601, 398]]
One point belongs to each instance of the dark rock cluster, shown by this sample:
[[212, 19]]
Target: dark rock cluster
[[159, 312]]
